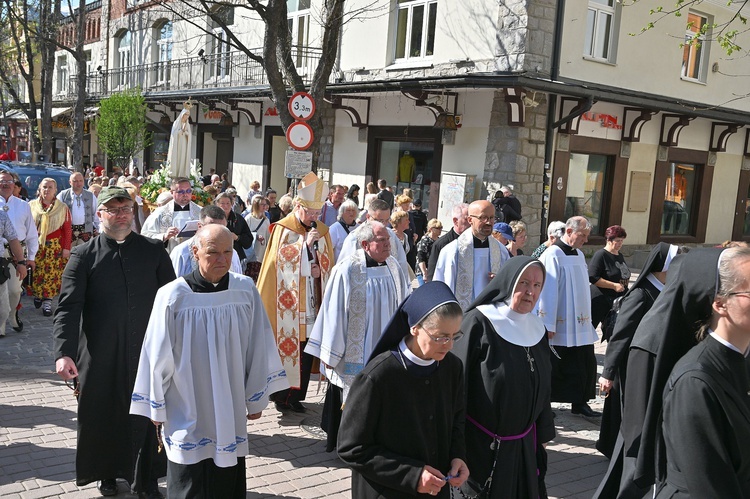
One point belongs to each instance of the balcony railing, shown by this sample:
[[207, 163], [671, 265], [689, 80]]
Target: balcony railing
[[210, 71]]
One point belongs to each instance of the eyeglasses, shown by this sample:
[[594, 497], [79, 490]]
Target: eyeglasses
[[442, 340], [741, 293], [183, 191], [484, 219], [7, 182], [116, 211]]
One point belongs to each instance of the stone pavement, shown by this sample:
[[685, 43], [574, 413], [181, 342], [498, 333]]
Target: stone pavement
[[38, 432]]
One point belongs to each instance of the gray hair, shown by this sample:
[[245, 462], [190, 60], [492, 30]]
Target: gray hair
[[556, 228], [347, 205], [577, 224], [445, 311], [366, 232], [198, 238], [212, 211], [459, 209], [729, 278], [506, 190]]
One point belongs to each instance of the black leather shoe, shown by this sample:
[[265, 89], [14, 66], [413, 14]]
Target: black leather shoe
[[19, 327], [297, 407], [282, 407], [37, 302], [107, 487], [584, 410], [151, 494]]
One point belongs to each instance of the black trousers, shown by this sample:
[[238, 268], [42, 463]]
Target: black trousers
[[205, 480], [297, 394], [331, 416], [574, 374]]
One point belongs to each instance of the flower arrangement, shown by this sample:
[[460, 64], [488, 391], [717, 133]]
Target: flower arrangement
[[160, 181]]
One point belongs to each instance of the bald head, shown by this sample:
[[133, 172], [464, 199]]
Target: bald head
[[213, 251], [76, 182], [481, 218]]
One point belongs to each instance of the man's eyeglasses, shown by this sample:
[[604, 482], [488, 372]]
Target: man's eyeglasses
[[7, 182], [442, 340], [116, 211], [484, 219], [184, 191]]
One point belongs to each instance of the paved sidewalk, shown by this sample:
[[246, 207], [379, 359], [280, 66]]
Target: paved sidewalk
[[38, 422]]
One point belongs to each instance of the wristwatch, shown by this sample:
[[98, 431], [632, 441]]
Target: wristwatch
[[21, 262]]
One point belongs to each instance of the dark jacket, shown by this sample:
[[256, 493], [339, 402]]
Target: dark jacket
[[237, 225]]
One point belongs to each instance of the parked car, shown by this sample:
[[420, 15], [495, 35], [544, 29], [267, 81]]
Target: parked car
[[31, 174]]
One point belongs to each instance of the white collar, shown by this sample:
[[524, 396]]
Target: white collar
[[655, 282], [725, 343], [410, 355], [524, 330]]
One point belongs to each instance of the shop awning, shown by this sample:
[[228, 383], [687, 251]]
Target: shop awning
[[58, 111], [90, 112]]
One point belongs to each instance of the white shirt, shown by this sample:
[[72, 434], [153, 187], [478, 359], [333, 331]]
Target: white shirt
[[19, 213]]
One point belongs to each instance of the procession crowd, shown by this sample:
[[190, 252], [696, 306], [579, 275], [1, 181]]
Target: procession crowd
[[176, 324]]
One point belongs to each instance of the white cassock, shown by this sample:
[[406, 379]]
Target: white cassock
[[466, 269], [338, 235], [358, 304], [350, 245], [164, 217], [208, 360], [565, 303], [184, 263]]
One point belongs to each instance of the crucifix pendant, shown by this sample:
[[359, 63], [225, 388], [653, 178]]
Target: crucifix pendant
[[530, 359]]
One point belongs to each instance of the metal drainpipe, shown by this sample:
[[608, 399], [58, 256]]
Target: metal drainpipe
[[551, 111]]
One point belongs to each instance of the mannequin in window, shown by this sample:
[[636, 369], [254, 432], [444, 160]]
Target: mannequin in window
[[406, 167]]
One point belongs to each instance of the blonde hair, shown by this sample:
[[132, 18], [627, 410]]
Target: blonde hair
[[371, 189], [39, 187], [402, 198], [517, 227], [434, 224], [397, 216]]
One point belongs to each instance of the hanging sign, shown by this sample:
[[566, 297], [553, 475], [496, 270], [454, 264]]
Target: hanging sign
[[299, 135], [301, 106], [297, 164]]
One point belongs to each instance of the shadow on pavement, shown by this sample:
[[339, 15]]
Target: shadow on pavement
[[46, 463]]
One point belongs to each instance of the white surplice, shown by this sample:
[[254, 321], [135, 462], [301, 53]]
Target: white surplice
[[208, 360], [358, 304], [350, 245], [184, 263], [565, 302]]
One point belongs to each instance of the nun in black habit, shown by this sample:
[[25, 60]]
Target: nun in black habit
[[635, 304], [402, 429], [704, 449], [507, 369], [665, 334]]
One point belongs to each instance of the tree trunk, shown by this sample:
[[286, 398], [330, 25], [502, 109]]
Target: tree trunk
[[48, 15], [76, 124]]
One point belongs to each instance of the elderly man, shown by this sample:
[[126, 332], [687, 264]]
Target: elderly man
[[207, 366], [82, 206], [468, 264], [330, 211], [362, 295], [378, 211], [565, 308], [9, 237], [20, 216], [183, 257], [108, 291], [166, 222], [460, 224], [295, 270]]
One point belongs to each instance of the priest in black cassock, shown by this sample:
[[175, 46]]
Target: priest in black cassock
[[508, 384], [402, 430], [664, 335], [635, 304], [704, 449], [108, 289]]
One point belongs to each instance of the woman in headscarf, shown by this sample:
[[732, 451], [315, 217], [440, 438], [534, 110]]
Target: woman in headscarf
[[635, 304], [402, 429], [507, 369], [53, 222], [664, 335], [704, 438]]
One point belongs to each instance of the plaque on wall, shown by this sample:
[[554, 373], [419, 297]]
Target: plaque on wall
[[640, 187]]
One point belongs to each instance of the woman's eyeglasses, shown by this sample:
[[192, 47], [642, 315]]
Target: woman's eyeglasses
[[443, 339]]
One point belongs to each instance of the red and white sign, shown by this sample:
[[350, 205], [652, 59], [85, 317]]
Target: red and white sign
[[301, 106], [299, 135]]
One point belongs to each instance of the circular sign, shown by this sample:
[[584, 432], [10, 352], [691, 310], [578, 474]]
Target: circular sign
[[299, 135], [301, 106]]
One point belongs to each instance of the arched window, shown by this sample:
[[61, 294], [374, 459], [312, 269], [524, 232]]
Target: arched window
[[219, 59], [163, 52]]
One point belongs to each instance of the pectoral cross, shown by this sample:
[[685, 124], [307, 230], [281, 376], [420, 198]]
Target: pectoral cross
[[530, 359]]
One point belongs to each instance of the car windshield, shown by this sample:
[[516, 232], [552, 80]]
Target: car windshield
[[31, 180]]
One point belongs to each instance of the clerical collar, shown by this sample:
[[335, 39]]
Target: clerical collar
[[567, 249], [370, 262], [478, 243], [307, 227], [198, 284], [177, 207], [655, 282], [524, 330]]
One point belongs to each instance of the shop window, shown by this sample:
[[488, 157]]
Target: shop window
[[586, 192], [695, 50], [415, 29], [680, 198], [601, 29]]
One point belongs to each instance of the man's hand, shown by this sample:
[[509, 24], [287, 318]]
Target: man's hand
[[312, 236], [315, 271], [550, 334], [66, 253], [171, 232], [459, 472], [252, 417], [21, 272], [32, 264], [431, 481], [605, 385], [66, 368]]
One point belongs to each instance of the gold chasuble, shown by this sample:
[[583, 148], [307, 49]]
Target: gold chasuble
[[292, 298]]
